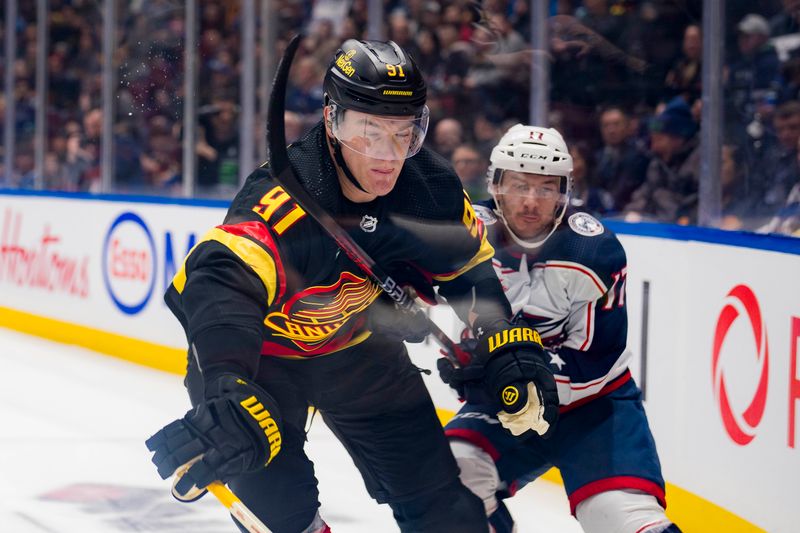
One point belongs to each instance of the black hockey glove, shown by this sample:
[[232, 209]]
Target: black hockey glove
[[237, 429], [512, 368], [388, 320]]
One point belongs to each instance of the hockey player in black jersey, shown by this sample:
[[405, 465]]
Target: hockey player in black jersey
[[278, 319], [564, 274]]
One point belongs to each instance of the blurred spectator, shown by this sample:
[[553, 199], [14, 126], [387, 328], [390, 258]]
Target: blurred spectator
[[753, 78], [787, 20], [589, 67], [447, 79], [429, 13], [322, 42], [735, 201], [218, 145], [447, 134], [427, 51], [684, 78], [497, 74], [23, 176], [776, 170], [672, 176], [471, 169], [585, 195], [787, 220], [400, 32], [304, 94], [161, 156], [486, 134], [621, 165], [790, 72], [64, 85]]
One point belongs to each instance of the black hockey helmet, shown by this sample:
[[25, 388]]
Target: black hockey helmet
[[375, 77]]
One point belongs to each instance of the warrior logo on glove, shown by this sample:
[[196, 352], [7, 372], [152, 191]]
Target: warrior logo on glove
[[265, 422], [510, 395], [501, 338]]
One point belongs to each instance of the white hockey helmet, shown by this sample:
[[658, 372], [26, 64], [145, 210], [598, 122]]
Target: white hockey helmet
[[534, 150]]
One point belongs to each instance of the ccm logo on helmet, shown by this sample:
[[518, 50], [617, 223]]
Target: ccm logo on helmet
[[741, 424]]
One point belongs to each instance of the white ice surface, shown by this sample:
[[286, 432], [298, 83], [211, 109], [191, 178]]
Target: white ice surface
[[73, 460]]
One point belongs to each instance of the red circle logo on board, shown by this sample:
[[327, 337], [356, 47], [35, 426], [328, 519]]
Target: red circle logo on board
[[741, 424]]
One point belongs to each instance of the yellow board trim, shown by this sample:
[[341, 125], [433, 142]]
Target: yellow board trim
[[144, 353], [691, 512]]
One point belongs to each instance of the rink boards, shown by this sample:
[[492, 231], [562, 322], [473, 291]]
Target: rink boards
[[714, 332]]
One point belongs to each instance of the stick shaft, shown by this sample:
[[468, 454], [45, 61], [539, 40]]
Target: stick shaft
[[237, 509]]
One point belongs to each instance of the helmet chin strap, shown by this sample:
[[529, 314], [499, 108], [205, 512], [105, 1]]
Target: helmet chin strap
[[339, 158], [527, 244]]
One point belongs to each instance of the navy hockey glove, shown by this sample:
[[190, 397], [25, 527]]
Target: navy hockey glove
[[513, 369], [237, 429], [466, 381]]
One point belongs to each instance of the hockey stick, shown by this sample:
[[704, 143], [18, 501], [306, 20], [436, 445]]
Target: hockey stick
[[282, 171], [237, 509], [232, 503]]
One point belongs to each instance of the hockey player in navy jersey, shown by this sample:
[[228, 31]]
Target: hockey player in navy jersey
[[564, 274]]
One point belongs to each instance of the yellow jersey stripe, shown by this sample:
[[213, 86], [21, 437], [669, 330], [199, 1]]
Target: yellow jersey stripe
[[485, 252], [248, 251]]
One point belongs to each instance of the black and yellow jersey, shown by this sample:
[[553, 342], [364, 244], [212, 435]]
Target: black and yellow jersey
[[270, 280]]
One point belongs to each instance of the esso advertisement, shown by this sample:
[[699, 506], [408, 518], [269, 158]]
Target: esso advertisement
[[129, 263]]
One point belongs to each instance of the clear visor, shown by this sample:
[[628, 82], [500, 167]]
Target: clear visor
[[379, 137], [527, 186]]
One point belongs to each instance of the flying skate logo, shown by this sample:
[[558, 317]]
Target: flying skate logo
[[28, 261], [311, 318], [129, 263], [740, 418], [368, 224]]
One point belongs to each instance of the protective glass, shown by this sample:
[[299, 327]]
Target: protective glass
[[522, 186], [379, 137]]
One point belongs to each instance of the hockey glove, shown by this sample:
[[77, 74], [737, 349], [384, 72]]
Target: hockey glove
[[512, 367], [237, 429], [467, 381], [386, 319]]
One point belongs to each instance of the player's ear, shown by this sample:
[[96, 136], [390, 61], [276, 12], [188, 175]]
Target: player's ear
[[326, 113]]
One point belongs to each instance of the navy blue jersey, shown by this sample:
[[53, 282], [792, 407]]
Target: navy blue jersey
[[572, 290]]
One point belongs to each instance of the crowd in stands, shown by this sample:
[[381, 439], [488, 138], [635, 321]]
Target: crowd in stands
[[625, 90]]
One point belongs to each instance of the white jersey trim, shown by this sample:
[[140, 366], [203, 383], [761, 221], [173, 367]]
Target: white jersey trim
[[570, 392], [601, 287]]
